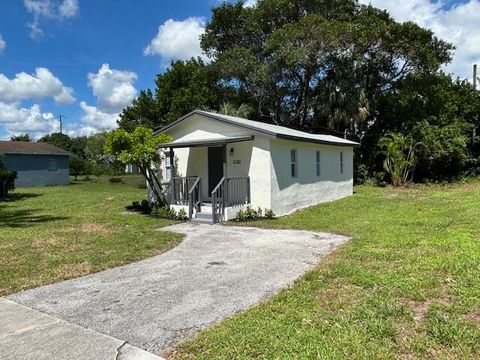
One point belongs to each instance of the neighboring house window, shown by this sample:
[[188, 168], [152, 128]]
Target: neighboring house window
[[52, 165], [293, 163], [317, 163], [341, 162], [168, 167]]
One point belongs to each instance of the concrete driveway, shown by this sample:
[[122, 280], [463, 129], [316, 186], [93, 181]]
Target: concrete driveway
[[214, 273]]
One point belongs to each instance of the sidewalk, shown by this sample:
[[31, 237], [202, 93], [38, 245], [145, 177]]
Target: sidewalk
[[28, 334]]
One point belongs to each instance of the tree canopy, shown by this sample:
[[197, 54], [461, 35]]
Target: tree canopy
[[21, 137], [326, 66]]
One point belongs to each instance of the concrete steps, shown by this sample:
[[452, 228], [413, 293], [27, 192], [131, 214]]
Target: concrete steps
[[205, 216]]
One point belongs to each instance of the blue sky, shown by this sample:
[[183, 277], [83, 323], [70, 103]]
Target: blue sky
[[88, 59]]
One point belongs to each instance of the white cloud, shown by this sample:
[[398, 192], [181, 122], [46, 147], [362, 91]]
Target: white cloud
[[3, 44], [114, 90], [19, 120], [178, 40], [69, 8], [250, 3], [48, 10], [97, 118], [457, 24], [41, 84]]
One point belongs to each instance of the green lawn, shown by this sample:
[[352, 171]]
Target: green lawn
[[49, 234], [406, 286]]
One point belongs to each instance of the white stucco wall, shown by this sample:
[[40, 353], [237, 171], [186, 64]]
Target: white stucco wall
[[249, 158], [266, 161], [291, 193]]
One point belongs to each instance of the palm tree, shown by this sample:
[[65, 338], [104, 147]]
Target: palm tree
[[399, 154], [243, 111]]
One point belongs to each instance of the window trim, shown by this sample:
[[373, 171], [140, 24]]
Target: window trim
[[167, 167], [341, 162], [318, 171], [294, 163]]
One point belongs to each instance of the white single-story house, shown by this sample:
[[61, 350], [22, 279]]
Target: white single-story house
[[216, 164]]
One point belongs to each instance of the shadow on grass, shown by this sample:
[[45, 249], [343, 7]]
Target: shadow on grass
[[25, 218], [19, 196]]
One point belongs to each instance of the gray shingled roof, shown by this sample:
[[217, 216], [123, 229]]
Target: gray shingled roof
[[269, 129], [23, 147]]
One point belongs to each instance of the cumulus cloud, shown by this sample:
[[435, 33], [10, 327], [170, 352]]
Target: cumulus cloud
[[20, 120], [48, 10], [457, 24], [3, 44], [178, 40], [41, 84], [114, 90], [97, 118]]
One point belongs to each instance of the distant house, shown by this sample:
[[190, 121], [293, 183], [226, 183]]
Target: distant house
[[216, 164], [36, 163]]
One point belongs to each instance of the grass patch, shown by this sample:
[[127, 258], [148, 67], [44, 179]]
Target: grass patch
[[54, 233], [406, 286]]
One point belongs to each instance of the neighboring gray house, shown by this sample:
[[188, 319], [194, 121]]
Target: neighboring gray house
[[36, 163]]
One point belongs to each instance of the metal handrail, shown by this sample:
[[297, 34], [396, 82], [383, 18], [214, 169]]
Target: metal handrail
[[218, 190], [180, 189], [194, 192]]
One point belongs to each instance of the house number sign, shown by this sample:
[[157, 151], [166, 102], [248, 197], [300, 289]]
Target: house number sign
[[237, 162]]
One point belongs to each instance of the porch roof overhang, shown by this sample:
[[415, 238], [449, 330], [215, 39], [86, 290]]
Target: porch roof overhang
[[207, 142]]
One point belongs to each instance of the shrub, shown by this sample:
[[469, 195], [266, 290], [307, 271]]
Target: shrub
[[140, 206], [182, 215], [7, 182], [248, 214], [269, 214], [165, 212]]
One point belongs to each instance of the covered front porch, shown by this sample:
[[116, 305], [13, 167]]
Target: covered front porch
[[208, 178]]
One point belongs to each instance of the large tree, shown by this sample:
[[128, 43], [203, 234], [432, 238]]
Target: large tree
[[312, 64]]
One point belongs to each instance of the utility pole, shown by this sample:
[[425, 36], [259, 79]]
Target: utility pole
[[60, 117], [475, 76]]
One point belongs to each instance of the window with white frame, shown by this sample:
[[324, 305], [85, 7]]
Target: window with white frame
[[317, 163], [341, 162], [167, 168], [293, 163]]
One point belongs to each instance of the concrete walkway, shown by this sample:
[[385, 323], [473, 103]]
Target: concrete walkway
[[28, 334], [214, 273]]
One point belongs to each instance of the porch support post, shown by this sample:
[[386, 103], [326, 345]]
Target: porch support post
[[225, 195], [172, 175]]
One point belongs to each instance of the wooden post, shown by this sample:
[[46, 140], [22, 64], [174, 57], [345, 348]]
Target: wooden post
[[172, 175]]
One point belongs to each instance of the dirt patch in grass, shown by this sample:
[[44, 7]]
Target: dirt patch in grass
[[89, 228], [420, 308], [67, 271], [340, 298], [473, 316]]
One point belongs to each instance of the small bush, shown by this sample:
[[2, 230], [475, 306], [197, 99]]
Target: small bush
[[249, 214], [140, 206], [182, 215], [165, 212], [7, 182], [269, 214]]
